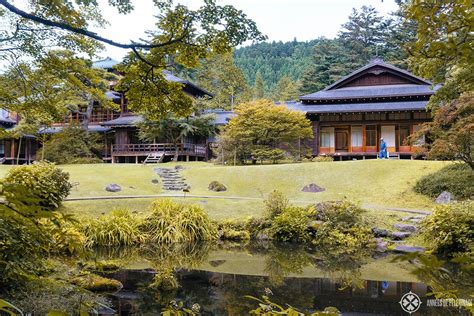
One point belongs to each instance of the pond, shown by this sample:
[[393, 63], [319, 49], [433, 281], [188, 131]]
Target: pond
[[217, 277]]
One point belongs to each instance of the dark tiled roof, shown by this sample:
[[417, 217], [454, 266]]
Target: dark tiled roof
[[358, 107], [57, 129], [221, 117], [107, 63], [126, 120], [372, 92], [379, 62]]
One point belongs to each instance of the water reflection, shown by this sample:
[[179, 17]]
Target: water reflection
[[217, 276]]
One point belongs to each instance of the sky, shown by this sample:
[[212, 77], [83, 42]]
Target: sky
[[280, 20]]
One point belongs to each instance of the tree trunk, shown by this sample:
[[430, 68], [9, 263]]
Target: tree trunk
[[88, 114]]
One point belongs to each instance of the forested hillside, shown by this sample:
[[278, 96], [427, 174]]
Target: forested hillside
[[274, 60], [314, 64]]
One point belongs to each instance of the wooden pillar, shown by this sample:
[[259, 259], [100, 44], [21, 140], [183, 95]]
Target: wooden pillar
[[315, 142], [187, 158], [136, 159], [12, 151]]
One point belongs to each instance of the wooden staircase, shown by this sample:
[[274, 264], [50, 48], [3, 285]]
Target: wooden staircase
[[155, 157]]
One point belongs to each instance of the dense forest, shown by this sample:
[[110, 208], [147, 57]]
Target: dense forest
[[314, 64]]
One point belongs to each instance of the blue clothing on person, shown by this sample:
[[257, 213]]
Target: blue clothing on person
[[383, 149]]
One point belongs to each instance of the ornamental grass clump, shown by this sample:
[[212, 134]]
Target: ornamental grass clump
[[119, 228], [172, 222]]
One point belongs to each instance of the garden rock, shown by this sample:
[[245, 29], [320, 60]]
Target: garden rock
[[414, 219], [113, 188], [444, 198], [408, 249], [379, 232], [400, 235], [405, 227], [313, 187], [178, 167], [380, 245], [155, 181], [216, 186]]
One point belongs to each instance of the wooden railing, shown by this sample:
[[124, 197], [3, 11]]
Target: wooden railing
[[95, 118], [166, 148]]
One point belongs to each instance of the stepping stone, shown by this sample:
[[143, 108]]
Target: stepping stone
[[405, 227], [400, 235], [381, 246], [379, 232], [113, 188], [408, 249]]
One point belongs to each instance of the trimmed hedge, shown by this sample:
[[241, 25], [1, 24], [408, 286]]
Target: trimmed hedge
[[456, 178]]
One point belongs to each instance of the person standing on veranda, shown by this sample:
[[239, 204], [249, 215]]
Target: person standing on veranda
[[383, 149]]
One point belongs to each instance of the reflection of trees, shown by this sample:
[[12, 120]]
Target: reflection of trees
[[446, 279], [343, 267], [282, 260], [166, 260]]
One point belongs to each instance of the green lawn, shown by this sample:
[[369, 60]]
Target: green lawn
[[371, 182]]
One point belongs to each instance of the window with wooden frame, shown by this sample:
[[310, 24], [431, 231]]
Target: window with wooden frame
[[325, 138], [356, 136], [371, 135]]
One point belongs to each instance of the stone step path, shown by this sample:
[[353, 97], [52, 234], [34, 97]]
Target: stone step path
[[402, 230], [171, 179]]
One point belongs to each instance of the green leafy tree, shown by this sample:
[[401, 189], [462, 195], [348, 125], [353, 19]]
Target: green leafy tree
[[73, 144], [43, 91], [262, 124], [221, 77], [442, 52], [182, 37]]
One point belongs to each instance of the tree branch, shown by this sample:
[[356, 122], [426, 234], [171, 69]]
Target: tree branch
[[84, 32]]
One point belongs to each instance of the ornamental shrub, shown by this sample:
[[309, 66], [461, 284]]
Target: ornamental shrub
[[456, 178], [40, 184], [450, 228], [323, 158], [172, 222], [342, 229], [275, 203], [292, 224]]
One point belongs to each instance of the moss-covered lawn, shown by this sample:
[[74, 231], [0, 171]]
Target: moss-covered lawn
[[371, 182]]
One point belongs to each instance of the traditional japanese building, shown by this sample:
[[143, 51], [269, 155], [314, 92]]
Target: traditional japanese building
[[376, 101]]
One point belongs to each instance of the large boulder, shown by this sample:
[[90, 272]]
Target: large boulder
[[113, 188], [313, 187], [444, 198]]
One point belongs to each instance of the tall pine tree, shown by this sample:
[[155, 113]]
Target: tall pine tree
[[259, 87]]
